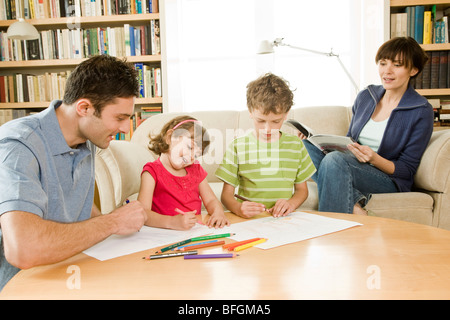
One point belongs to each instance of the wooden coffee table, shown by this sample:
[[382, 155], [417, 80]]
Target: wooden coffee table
[[383, 259]]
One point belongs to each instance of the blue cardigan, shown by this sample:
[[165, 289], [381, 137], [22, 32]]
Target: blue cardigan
[[407, 132]]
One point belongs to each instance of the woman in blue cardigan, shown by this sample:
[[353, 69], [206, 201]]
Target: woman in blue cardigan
[[392, 125]]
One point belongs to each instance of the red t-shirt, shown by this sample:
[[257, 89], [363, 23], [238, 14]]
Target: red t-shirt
[[173, 192]]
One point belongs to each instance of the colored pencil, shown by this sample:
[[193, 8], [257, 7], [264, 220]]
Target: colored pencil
[[193, 244], [169, 255], [211, 256], [245, 199], [203, 245], [248, 245], [231, 246], [174, 245], [183, 213], [214, 236], [241, 198]]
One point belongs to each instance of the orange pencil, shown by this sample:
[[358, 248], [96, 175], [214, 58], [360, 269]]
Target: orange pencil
[[231, 246], [204, 245]]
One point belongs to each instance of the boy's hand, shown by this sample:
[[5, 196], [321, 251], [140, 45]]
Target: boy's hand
[[184, 220], [281, 208], [250, 209]]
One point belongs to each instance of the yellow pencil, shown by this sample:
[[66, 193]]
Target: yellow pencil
[[248, 245]]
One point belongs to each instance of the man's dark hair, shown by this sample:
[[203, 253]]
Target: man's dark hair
[[101, 79]]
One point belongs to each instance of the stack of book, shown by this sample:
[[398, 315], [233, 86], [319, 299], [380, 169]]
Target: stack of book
[[45, 9], [441, 109], [50, 85], [83, 43], [426, 25], [33, 88], [436, 73]]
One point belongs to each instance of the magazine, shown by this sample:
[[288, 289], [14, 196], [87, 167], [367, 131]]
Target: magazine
[[325, 142]]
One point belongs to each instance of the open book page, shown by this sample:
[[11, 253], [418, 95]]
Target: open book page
[[328, 142], [325, 142]]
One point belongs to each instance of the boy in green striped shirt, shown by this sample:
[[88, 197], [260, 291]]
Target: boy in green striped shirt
[[269, 167]]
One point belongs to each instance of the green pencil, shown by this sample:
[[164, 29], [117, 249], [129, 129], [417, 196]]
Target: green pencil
[[174, 245], [214, 236]]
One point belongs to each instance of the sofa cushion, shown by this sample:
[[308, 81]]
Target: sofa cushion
[[434, 170], [117, 174], [408, 206]]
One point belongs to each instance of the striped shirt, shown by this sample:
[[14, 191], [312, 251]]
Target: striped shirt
[[265, 172]]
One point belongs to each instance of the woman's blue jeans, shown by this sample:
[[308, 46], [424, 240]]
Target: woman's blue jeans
[[343, 181]]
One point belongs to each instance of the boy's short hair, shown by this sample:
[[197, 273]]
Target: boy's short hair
[[101, 79], [405, 48], [269, 93]]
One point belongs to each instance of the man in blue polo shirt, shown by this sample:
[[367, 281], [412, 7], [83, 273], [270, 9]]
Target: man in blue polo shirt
[[47, 169]]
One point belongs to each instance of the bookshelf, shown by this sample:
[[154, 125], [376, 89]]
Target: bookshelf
[[434, 82], [103, 22]]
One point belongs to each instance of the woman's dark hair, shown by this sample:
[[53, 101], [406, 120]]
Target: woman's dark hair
[[406, 50]]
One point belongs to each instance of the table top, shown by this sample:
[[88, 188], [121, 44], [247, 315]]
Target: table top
[[382, 259]]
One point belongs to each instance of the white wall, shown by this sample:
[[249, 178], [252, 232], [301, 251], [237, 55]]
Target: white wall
[[211, 44]]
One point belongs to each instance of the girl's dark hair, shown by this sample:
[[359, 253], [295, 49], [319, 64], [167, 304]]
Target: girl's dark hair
[[405, 49], [197, 132], [101, 79]]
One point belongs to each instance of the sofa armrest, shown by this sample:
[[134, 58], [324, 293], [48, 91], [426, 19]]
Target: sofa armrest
[[117, 172], [433, 173]]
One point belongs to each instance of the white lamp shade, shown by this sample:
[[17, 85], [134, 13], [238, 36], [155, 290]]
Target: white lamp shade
[[22, 30], [265, 46]]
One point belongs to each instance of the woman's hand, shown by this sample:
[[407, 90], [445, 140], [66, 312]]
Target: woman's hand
[[364, 154]]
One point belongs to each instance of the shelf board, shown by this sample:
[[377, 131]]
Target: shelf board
[[435, 46], [45, 104], [70, 21], [68, 62], [434, 92], [410, 3]]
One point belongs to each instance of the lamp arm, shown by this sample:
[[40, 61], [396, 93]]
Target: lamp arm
[[329, 54], [348, 74], [279, 42]]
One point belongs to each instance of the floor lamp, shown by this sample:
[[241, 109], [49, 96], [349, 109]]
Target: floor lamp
[[268, 47]]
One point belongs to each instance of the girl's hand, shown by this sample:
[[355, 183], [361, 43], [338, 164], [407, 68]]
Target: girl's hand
[[249, 209], [217, 220], [185, 220], [281, 208]]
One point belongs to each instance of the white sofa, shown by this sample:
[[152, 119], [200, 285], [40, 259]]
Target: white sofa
[[118, 168]]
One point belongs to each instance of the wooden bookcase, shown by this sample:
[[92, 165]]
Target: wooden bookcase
[[396, 6], [57, 65]]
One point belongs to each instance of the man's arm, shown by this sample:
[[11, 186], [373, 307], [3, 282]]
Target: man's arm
[[30, 241]]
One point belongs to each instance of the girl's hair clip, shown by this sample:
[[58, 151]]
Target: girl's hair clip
[[184, 121]]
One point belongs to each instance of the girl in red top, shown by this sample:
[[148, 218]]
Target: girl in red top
[[173, 186]]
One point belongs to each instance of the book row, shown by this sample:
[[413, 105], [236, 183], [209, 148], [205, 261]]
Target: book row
[[441, 109], [50, 86], [136, 120], [139, 116], [436, 73], [45, 9], [10, 114], [426, 25], [82, 43]]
